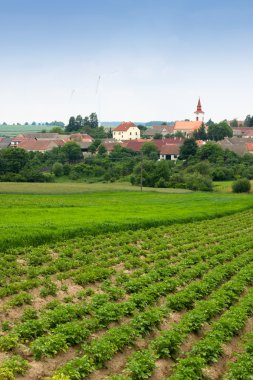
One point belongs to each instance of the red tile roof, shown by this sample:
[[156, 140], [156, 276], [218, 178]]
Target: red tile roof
[[124, 126], [187, 125], [249, 147], [170, 149], [38, 145]]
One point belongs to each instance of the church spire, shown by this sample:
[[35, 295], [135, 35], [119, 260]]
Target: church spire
[[199, 111]]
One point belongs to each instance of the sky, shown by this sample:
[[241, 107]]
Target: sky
[[135, 60]]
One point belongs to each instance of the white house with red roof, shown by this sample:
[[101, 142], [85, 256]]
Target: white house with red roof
[[126, 131]]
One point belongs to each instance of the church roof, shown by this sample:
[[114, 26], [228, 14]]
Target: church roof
[[199, 107], [187, 125]]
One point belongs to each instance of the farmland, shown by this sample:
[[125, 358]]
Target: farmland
[[101, 281], [40, 213], [169, 302], [13, 130]]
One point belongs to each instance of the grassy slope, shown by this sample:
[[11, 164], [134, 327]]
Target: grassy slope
[[37, 218]]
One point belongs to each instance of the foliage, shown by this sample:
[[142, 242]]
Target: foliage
[[218, 131], [241, 186], [188, 149]]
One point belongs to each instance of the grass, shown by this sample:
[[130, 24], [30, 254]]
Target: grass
[[76, 188], [13, 130], [34, 218], [226, 186]]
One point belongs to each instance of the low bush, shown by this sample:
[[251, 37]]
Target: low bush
[[241, 186]]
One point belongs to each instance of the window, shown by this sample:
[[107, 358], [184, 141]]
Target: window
[[130, 133]]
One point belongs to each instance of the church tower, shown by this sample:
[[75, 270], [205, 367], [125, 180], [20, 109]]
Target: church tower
[[199, 113]]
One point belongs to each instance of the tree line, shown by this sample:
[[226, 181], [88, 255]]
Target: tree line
[[196, 168]]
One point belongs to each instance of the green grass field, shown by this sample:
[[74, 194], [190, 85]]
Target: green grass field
[[38, 213], [13, 130]]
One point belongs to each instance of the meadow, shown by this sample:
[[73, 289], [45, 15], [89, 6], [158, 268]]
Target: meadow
[[164, 303], [39, 213]]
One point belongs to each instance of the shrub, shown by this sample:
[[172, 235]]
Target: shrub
[[241, 186], [198, 182], [58, 169]]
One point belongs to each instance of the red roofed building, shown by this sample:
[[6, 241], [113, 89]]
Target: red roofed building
[[249, 147], [126, 131], [33, 145], [187, 127]]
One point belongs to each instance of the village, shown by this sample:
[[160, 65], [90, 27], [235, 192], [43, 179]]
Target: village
[[167, 138]]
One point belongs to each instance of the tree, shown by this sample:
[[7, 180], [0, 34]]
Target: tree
[[93, 119], [72, 151], [56, 130], [211, 152], [158, 136], [101, 150], [209, 122], [78, 122], [234, 123], [150, 150], [189, 148], [217, 132], [71, 125], [200, 134], [248, 121]]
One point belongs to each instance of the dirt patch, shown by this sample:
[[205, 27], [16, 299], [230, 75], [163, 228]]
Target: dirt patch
[[40, 369], [235, 346], [163, 369], [113, 367]]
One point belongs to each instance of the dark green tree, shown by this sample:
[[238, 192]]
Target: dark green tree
[[200, 134], [248, 121], [72, 151], [217, 132], [93, 119], [189, 148], [158, 136], [71, 125], [234, 123]]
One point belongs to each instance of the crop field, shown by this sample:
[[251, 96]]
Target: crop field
[[13, 130], [169, 302], [49, 212]]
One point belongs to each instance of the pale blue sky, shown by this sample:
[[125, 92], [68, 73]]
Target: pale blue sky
[[154, 59]]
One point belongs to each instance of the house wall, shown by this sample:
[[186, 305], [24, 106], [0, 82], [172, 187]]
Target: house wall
[[171, 157], [133, 133]]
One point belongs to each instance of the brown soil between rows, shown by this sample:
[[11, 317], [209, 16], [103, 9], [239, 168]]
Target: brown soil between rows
[[218, 370], [38, 370]]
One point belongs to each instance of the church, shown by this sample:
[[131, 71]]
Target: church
[[188, 127]]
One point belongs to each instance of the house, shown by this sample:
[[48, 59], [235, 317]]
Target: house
[[168, 148], [235, 144], [169, 152], [109, 144], [33, 145], [243, 132], [161, 129], [249, 147], [126, 131], [4, 142], [80, 137], [135, 145]]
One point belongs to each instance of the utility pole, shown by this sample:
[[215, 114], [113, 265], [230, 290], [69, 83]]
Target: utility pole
[[141, 169]]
